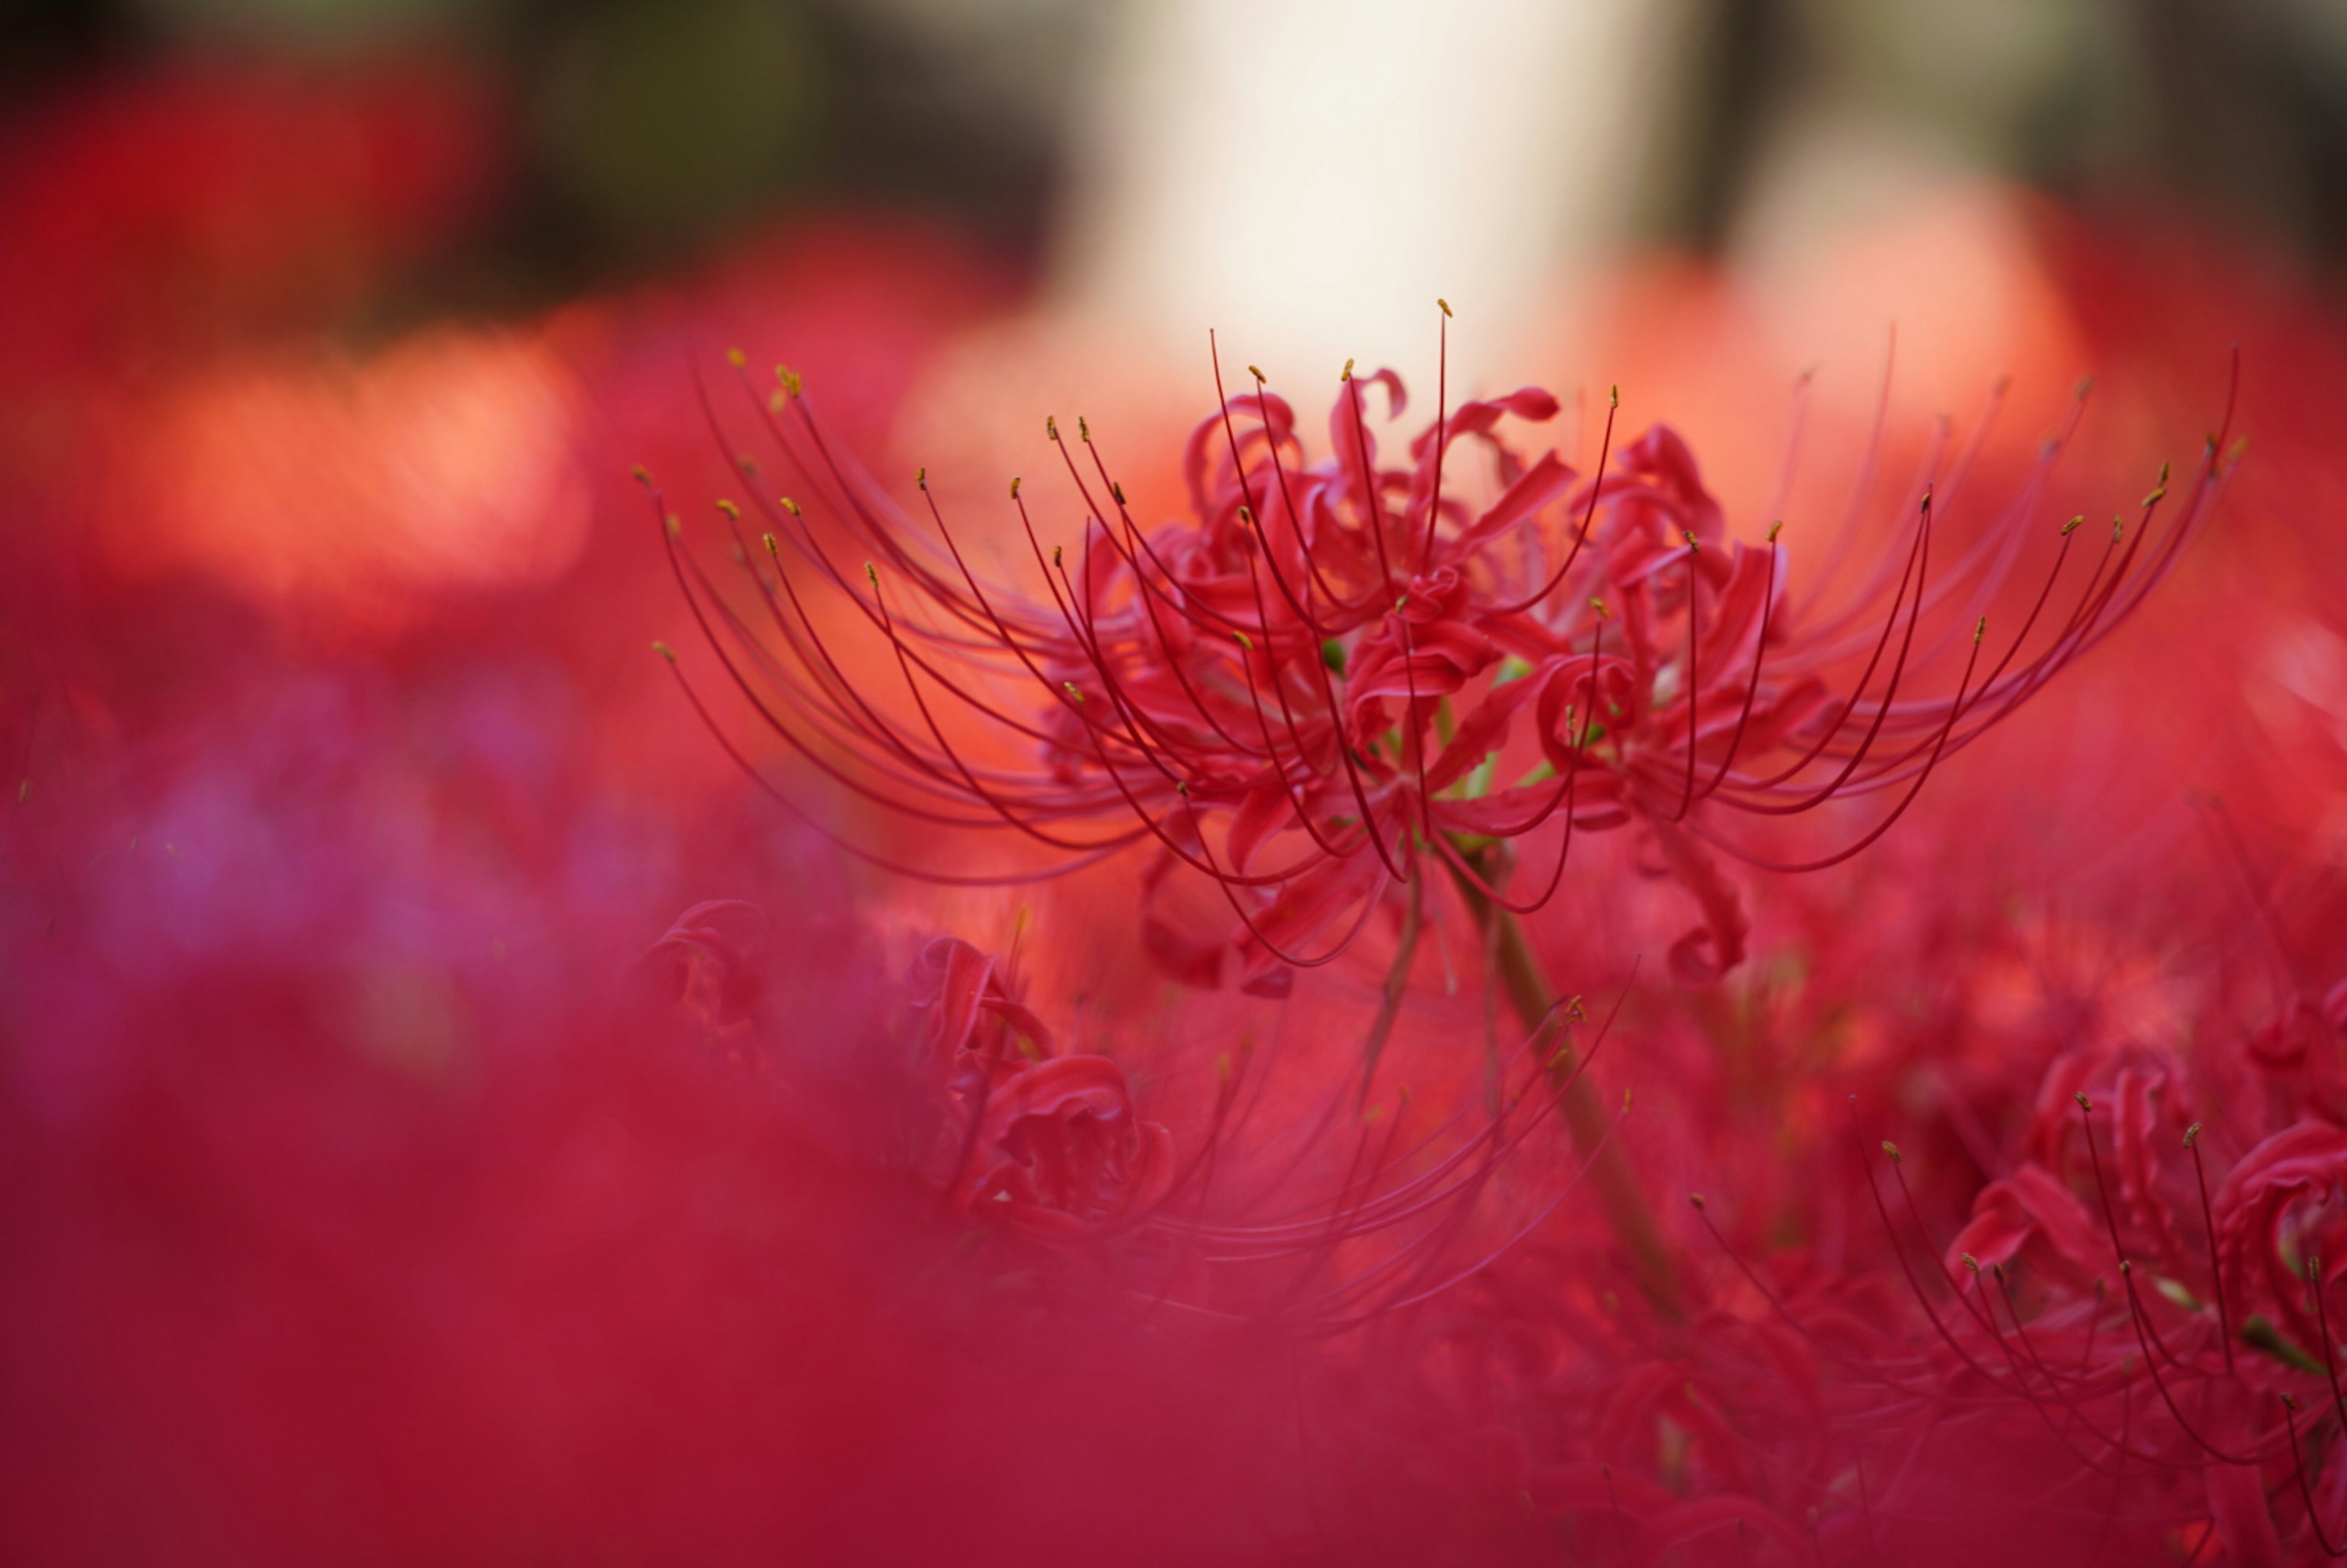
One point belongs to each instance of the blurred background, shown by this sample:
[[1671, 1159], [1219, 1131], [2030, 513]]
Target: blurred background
[[1251, 163]]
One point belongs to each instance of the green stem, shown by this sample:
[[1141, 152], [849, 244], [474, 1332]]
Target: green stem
[[1617, 1185], [1397, 984]]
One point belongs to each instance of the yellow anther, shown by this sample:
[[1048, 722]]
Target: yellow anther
[[1256, 371], [1073, 695], [1599, 606], [1014, 489], [790, 378], [1083, 428], [665, 652], [736, 358], [729, 508], [774, 547], [1117, 490], [790, 506], [675, 526], [641, 478], [921, 477], [1346, 374], [2192, 1135], [1891, 1149], [2072, 525], [1445, 304], [1055, 553], [1613, 398], [1245, 640], [1051, 426], [1981, 631]]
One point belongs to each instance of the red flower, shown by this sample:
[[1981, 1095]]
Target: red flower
[[1309, 692], [1059, 1149]]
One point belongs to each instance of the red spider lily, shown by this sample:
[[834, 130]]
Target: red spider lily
[[1308, 690], [1053, 1140]]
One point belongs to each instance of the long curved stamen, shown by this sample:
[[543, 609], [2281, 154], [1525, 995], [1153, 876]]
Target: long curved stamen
[[1917, 553], [1442, 436], [1759, 657], [1373, 510], [1956, 711], [1589, 515]]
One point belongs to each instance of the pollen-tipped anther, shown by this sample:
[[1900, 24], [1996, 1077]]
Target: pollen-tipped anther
[[1445, 303], [1891, 1149], [664, 651], [729, 508], [1697, 1199], [736, 358], [2192, 1135]]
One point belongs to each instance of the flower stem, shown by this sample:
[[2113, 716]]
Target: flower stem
[[1633, 1224], [1397, 984]]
